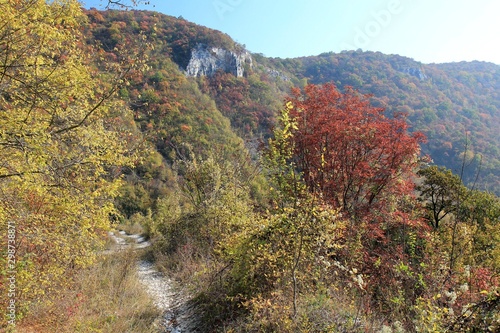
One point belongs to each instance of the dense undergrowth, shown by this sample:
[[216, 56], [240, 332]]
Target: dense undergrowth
[[336, 224], [294, 262]]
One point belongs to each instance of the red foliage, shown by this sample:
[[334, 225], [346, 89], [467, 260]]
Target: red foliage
[[234, 98], [362, 162], [483, 279], [349, 151]]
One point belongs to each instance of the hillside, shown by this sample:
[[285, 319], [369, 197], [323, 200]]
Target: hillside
[[274, 195], [455, 105], [444, 101]]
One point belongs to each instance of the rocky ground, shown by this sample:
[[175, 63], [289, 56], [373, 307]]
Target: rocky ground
[[178, 316]]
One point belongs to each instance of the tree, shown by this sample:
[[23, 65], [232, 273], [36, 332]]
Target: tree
[[280, 251], [463, 249], [361, 163], [349, 151], [441, 191], [60, 152], [465, 220]]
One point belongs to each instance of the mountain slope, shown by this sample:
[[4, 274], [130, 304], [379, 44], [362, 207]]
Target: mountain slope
[[456, 105]]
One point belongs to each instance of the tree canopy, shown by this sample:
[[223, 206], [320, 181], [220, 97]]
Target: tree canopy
[[58, 144], [349, 151]]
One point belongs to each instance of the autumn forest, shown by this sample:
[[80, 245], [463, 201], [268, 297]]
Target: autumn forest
[[343, 192]]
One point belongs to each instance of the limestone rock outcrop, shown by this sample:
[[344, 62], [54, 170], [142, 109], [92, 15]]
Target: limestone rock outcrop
[[206, 61]]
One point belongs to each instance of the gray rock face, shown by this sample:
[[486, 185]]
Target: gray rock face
[[277, 74], [417, 72], [206, 61]]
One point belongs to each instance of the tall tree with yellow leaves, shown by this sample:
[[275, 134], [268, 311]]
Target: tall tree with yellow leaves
[[58, 148]]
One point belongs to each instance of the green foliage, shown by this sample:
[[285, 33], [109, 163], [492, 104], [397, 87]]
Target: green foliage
[[209, 205], [465, 246], [429, 316], [248, 102], [167, 213], [279, 161], [484, 213], [474, 212], [441, 192], [218, 192], [133, 199]]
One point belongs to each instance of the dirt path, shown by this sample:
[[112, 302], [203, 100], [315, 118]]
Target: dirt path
[[178, 316]]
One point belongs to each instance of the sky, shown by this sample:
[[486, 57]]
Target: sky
[[429, 31]]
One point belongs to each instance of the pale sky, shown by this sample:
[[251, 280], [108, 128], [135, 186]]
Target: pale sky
[[430, 31]]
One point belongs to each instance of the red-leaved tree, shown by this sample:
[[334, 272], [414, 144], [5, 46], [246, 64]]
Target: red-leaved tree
[[349, 151], [362, 162]]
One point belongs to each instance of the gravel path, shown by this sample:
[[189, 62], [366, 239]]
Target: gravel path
[[178, 316]]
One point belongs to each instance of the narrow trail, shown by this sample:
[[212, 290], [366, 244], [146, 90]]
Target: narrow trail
[[178, 316]]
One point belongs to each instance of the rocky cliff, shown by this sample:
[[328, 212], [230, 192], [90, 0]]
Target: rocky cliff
[[205, 61], [413, 71]]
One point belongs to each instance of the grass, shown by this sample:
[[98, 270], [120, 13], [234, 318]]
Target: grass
[[107, 297], [131, 228]]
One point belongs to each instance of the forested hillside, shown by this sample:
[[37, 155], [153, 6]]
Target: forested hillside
[[352, 171], [284, 195], [455, 105]]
